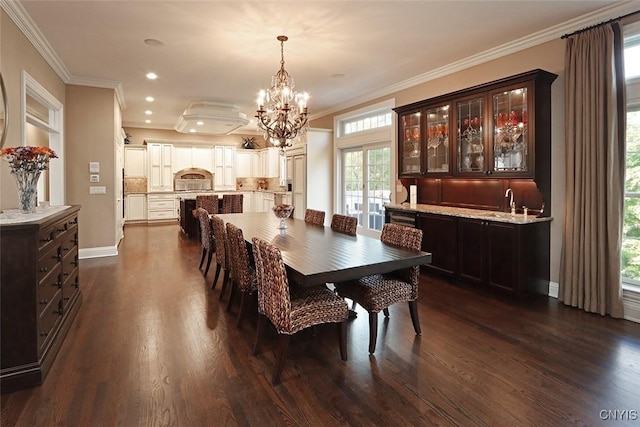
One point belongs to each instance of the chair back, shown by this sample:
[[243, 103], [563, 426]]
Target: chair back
[[221, 241], [274, 300], [344, 224], [232, 203], [206, 234], [208, 202], [408, 238], [238, 257], [313, 216]]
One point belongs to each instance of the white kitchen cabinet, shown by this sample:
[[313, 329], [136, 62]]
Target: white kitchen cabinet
[[258, 201], [135, 162], [298, 189], [187, 156], [267, 202], [289, 171], [160, 177], [161, 207], [225, 167], [286, 199], [244, 163], [247, 201], [135, 207], [270, 160]]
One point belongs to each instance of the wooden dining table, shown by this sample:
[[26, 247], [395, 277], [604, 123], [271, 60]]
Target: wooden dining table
[[316, 254]]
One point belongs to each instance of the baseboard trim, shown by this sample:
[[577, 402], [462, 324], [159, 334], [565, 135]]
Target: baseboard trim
[[554, 289], [99, 252]]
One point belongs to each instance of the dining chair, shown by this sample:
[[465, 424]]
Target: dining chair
[[379, 291], [344, 224], [243, 275], [206, 238], [313, 216], [291, 311], [208, 202], [220, 235], [232, 203]]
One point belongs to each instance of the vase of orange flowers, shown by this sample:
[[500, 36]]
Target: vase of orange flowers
[[26, 164]]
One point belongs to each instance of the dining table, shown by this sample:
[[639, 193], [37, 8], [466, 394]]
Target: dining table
[[315, 254]]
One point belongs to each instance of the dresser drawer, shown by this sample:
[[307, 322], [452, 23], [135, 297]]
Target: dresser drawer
[[46, 238], [69, 262], [70, 287], [49, 320], [48, 261], [49, 285], [162, 214]]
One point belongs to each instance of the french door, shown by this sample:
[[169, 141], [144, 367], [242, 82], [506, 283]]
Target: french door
[[366, 185]]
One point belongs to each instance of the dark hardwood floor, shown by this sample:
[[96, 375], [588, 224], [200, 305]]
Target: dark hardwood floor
[[153, 346]]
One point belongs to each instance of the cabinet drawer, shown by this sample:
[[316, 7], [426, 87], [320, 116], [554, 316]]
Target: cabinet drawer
[[46, 238], [70, 287], [49, 320], [161, 204], [48, 262], [164, 214], [69, 262], [49, 285]]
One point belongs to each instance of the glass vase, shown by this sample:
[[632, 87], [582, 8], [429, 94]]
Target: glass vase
[[27, 190]]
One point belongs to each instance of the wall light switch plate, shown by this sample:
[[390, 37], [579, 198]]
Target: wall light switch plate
[[97, 190], [94, 178], [94, 167]]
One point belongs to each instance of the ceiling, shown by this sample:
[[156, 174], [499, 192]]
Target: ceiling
[[341, 52]]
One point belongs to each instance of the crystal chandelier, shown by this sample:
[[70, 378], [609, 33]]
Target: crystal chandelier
[[282, 112]]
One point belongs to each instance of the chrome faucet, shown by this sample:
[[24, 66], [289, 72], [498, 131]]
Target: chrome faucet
[[509, 193]]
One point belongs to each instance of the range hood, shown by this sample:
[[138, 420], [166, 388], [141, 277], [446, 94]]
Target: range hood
[[210, 118]]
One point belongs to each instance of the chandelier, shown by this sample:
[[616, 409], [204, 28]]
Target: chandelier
[[282, 112]]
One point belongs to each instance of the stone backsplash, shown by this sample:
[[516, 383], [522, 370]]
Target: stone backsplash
[[252, 184], [135, 185]]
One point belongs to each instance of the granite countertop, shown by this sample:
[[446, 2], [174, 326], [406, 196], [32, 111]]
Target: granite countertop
[[470, 213]]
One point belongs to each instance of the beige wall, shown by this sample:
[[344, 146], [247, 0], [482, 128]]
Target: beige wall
[[548, 56], [17, 54], [89, 122]]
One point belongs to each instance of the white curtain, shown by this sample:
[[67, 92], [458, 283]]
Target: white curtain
[[595, 147]]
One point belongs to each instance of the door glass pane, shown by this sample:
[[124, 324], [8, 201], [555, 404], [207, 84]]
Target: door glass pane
[[470, 136], [410, 154], [438, 139], [378, 185], [353, 184], [511, 130]]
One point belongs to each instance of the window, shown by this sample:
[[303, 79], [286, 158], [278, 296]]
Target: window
[[359, 124], [630, 262]]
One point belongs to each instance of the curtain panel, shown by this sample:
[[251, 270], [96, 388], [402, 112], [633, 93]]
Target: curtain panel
[[595, 159]]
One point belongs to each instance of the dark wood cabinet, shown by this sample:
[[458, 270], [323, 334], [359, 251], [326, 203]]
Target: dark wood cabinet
[[189, 224], [437, 232], [40, 294]]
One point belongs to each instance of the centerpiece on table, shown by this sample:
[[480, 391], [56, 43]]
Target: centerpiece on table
[[26, 164]]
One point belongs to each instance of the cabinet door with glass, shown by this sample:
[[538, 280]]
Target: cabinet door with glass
[[511, 137], [437, 122], [471, 146], [410, 144]]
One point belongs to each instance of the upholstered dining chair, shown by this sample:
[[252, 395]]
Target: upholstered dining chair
[[344, 224], [379, 291], [290, 310], [243, 275], [206, 238], [208, 202], [232, 203], [313, 216], [220, 235]]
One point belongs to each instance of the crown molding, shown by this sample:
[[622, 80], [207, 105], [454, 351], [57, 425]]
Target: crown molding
[[23, 21], [532, 40]]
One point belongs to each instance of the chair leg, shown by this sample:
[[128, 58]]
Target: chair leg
[[232, 295], [262, 323], [283, 345], [225, 280], [354, 304], [342, 330], [206, 270], [215, 279], [204, 253], [386, 312], [413, 309], [244, 297], [373, 331]]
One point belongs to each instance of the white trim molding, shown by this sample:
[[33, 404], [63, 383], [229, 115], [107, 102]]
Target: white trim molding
[[99, 252]]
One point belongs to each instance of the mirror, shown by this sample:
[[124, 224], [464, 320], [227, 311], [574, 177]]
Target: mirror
[[3, 112]]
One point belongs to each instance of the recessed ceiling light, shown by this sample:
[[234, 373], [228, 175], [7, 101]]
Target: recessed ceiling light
[[149, 99], [192, 130], [152, 76], [153, 42], [148, 112], [199, 122], [147, 121]]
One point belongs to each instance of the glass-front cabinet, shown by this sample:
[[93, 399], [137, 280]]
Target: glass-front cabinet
[[411, 144], [490, 129]]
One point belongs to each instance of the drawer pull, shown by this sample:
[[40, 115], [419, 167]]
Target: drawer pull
[[75, 241], [44, 301], [44, 334], [65, 249], [66, 273], [48, 239], [44, 269], [58, 284], [75, 263], [63, 228]]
